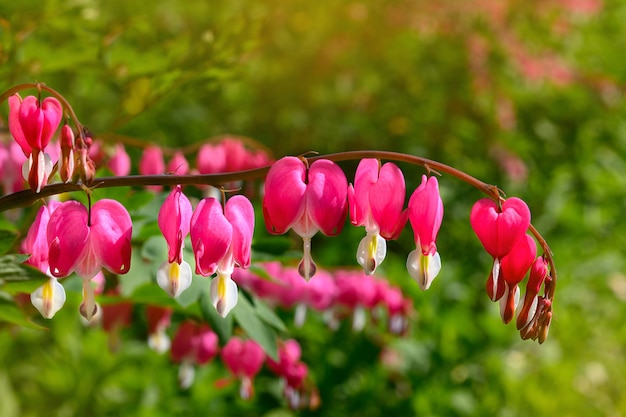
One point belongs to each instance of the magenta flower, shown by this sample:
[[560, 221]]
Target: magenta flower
[[221, 239], [32, 124], [50, 297], [307, 200], [425, 215], [376, 201], [498, 228], [119, 163], [178, 164], [513, 268], [159, 319], [152, 163], [244, 359], [193, 344], [84, 243], [174, 275]]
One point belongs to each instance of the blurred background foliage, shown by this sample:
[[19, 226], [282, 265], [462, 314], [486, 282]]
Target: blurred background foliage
[[528, 95]]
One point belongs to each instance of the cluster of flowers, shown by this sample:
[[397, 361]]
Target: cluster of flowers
[[305, 195], [335, 295], [195, 344], [502, 229]]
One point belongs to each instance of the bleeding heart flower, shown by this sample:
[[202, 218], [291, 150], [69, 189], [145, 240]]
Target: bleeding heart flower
[[193, 344], [307, 200], [221, 239], [376, 201], [513, 268], [84, 242], [119, 163], [425, 215], [538, 274], [499, 228], [244, 359], [174, 275], [32, 124]]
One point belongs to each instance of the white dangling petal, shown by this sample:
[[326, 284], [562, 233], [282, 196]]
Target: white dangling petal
[[300, 315], [358, 318], [371, 252], [423, 269], [49, 298], [223, 293], [159, 341], [186, 374], [174, 278]]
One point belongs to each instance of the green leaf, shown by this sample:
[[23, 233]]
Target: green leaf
[[268, 315], [193, 293], [17, 277], [9, 312], [220, 325], [7, 239], [249, 320]]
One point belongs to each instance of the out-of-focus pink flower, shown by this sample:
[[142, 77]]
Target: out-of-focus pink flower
[[178, 164], [244, 359], [12, 160], [119, 163], [306, 200], [425, 215], [221, 239], [152, 163], [174, 274], [193, 344], [211, 159], [376, 201], [84, 242]]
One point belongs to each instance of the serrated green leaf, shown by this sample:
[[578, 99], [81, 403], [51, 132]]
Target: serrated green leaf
[[257, 329], [9, 312], [223, 327], [7, 239]]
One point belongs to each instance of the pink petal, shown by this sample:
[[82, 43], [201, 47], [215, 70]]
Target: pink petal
[[68, 235], [119, 163], [15, 126], [386, 199], [111, 232], [326, 196], [174, 221], [359, 195], [211, 235], [513, 267], [53, 113], [240, 213], [426, 214], [499, 230], [285, 188]]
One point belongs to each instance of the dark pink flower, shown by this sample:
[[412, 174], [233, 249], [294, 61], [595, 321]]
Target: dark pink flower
[[244, 359], [376, 201], [152, 163], [178, 164], [513, 268], [306, 200], [84, 243], [221, 239], [538, 274], [119, 163], [425, 215], [174, 274], [193, 344]]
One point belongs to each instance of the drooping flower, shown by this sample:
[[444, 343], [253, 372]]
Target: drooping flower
[[32, 123], [193, 344], [499, 227], [119, 163], [159, 319], [152, 163], [538, 274], [244, 359], [178, 164], [50, 297], [84, 243], [292, 371], [307, 200], [221, 239], [376, 201], [513, 268], [174, 275], [425, 215]]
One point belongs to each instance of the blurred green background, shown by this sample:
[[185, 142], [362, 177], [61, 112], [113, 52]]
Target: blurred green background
[[528, 95]]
